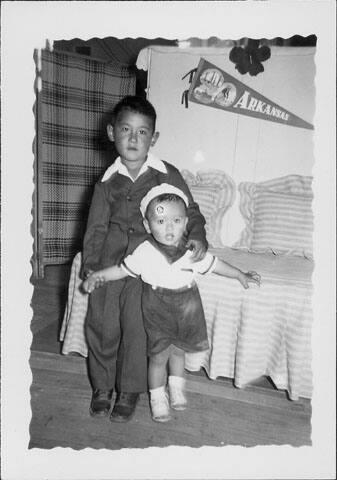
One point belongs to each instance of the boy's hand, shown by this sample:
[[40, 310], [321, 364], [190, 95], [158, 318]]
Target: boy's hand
[[249, 277], [198, 248]]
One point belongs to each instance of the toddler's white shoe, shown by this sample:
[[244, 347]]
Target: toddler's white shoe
[[160, 408], [177, 398]]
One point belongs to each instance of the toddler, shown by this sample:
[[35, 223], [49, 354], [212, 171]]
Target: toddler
[[172, 310]]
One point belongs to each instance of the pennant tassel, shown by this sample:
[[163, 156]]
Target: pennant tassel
[[190, 73], [184, 98]]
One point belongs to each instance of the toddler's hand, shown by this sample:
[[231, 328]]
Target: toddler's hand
[[92, 282], [87, 274], [198, 249], [249, 277]]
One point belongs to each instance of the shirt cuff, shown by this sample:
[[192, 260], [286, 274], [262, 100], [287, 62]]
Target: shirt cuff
[[128, 270], [211, 267]]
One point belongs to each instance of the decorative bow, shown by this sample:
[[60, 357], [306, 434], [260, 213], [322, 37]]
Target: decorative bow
[[249, 58]]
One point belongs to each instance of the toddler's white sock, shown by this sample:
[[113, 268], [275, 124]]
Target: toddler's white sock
[[177, 396], [175, 381], [157, 392], [160, 408]]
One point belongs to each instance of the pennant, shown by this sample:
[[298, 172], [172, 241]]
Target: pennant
[[213, 87]]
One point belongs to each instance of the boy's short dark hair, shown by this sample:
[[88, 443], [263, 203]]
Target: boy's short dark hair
[[136, 104], [165, 197]]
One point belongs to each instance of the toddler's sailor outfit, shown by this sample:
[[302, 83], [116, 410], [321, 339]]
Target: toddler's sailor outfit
[[172, 308]]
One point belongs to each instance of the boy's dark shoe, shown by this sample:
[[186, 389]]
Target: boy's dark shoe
[[100, 403], [124, 407]]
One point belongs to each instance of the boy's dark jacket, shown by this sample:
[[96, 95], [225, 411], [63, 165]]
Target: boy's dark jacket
[[115, 225]]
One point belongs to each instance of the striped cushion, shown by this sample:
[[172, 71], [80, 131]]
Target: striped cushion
[[214, 191], [278, 216]]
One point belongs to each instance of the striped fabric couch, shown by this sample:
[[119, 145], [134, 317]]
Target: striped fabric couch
[[261, 331]]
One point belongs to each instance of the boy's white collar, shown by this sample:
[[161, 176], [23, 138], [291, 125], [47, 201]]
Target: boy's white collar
[[151, 161]]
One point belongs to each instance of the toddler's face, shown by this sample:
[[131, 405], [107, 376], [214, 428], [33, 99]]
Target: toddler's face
[[166, 222], [133, 135]]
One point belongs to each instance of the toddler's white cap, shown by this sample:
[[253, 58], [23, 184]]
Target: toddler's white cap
[[160, 190]]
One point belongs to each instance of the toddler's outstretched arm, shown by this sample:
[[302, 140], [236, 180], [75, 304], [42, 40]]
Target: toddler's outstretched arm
[[98, 278], [227, 270]]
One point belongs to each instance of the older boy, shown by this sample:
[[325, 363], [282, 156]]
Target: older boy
[[114, 327]]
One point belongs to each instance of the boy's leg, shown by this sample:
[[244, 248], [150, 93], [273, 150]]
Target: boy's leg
[[103, 337], [131, 375], [176, 380]]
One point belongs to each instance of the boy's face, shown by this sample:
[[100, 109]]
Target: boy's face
[[166, 221], [133, 136]]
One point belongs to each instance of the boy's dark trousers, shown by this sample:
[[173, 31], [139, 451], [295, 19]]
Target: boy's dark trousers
[[116, 337]]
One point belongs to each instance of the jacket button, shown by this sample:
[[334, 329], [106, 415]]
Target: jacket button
[[131, 230]]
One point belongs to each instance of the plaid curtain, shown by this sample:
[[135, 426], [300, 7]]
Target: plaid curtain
[[74, 106]]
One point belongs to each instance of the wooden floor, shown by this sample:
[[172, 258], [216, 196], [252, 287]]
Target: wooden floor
[[218, 414]]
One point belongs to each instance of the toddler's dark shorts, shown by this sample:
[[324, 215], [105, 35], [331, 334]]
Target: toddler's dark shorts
[[174, 317]]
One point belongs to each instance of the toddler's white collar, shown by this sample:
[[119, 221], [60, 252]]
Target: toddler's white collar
[[151, 161]]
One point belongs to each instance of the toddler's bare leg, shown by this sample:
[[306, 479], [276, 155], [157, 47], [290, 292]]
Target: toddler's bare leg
[[176, 361], [157, 369]]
